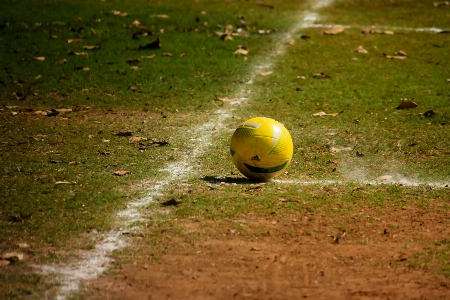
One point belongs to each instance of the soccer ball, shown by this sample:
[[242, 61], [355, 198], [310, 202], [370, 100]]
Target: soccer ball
[[261, 148]]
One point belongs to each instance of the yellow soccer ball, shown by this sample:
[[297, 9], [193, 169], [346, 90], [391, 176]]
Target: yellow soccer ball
[[261, 148]]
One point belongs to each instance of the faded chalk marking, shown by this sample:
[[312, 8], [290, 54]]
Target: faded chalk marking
[[91, 263], [391, 28]]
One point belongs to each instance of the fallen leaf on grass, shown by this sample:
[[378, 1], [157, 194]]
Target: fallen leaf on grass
[[384, 177], [167, 54], [136, 139], [171, 202], [360, 49], [140, 34], [335, 30], [40, 58], [4, 262], [12, 256], [156, 143], [394, 56], [406, 104], [135, 67], [91, 47], [62, 61], [266, 73], [134, 89], [367, 30], [321, 75], [442, 3], [77, 53], [159, 16], [63, 110], [121, 172], [241, 51], [117, 13], [429, 113], [123, 133], [401, 53], [40, 112], [322, 114], [226, 99], [153, 45], [19, 96], [149, 57], [72, 41], [64, 182]]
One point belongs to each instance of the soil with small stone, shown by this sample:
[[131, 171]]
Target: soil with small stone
[[360, 255]]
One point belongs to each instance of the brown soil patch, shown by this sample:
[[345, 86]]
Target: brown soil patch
[[291, 257]]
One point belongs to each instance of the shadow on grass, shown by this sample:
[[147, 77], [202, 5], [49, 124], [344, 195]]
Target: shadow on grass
[[237, 180]]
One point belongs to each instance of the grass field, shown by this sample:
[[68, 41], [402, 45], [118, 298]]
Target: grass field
[[110, 109]]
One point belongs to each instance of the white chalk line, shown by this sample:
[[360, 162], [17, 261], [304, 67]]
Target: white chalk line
[[397, 182], [377, 27], [91, 263]]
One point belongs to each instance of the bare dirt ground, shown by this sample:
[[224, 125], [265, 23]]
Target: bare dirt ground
[[360, 255]]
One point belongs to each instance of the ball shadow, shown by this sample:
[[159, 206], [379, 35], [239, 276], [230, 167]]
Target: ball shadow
[[237, 180]]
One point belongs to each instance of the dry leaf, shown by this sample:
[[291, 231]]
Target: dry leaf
[[266, 73], [321, 75], [53, 37], [19, 96], [72, 41], [77, 53], [394, 56], [40, 58], [136, 139], [388, 32], [135, 67], [167, 54], [136, 23], [401, 53], [63, 110], [12, 256], [40, 112], [156, 143], [134, 89], [322, 114], [241, 51], [429, 113], [226, 99], [149, 57], [182, 54], [118, 13], [64, 182], [406, 104], [367, 30], [38, 77], [442, 3], [159, 16], [62, 61], [121, 172], [91, 47], [335, 30], [384, 177], [4, 262], [360, 49]]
